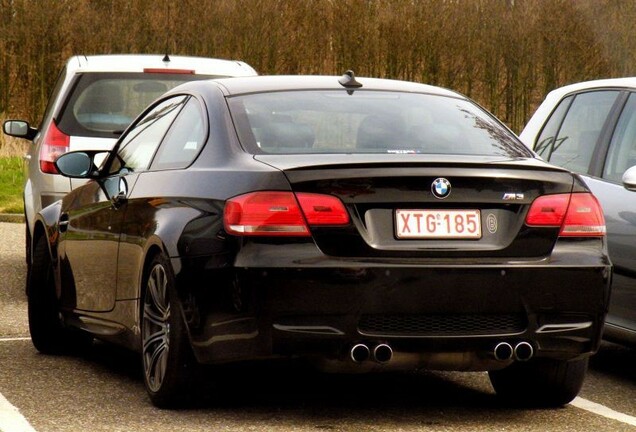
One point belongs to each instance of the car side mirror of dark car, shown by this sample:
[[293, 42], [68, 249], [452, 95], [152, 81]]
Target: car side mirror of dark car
[[81, 164], [19, 129], [629, 179]]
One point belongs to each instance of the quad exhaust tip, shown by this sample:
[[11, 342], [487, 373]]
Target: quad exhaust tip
[[360, 353], [503, 351], [523, 351], [382, 353]]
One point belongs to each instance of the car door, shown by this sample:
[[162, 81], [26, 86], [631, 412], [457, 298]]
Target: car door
[[180, 146], [93, 218], [594, 133], [619, 206], [88, 237]]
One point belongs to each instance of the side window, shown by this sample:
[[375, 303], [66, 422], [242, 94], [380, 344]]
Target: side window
[[55, 93], [184, 139], [141, 142], [546, 142], [622, 149], [574, 143]]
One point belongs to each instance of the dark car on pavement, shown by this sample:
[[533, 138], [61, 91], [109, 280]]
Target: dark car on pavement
[[590, 128], [360, 224]]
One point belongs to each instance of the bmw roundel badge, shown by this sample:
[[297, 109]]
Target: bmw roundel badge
[[441, 188]]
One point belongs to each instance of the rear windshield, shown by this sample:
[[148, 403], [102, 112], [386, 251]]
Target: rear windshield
[[104, 104], [368, 122]]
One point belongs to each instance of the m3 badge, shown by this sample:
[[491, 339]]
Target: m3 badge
[[513, 196]]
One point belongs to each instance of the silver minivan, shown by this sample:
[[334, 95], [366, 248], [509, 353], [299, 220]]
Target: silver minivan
[[590, 128], [94, 99]]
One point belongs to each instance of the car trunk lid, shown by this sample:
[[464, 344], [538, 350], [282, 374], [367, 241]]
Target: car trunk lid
[[400, 207]]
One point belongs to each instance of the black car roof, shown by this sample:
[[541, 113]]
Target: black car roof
[[269, 83]]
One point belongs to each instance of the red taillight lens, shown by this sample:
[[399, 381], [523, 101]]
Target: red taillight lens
[[323, 209], [584, 217], [274, 213], [265, 213], [578, 214], [548, 210], [54, 144]]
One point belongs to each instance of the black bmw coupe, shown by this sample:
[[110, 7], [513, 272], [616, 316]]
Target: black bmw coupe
[[362, 224]]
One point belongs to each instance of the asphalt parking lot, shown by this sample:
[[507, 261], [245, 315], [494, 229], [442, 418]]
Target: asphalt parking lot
[[103, 390]]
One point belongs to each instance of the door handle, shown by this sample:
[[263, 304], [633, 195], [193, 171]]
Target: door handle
[[122, 194], [63, 222], [118, 199]]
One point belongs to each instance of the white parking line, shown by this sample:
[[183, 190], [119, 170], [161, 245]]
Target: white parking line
[[10, 418], [13, 339], [604, 411], [12, 421]]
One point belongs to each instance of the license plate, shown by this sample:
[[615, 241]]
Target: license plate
[[454, 224]]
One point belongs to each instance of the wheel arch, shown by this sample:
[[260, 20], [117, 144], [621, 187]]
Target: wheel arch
[[153, 250], [44, 226], [157, 247], [28, 241], [39, 231]]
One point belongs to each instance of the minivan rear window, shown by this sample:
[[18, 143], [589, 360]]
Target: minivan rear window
[[104, 104]]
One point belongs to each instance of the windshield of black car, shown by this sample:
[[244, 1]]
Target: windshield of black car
[[103, 104], [316, 121]]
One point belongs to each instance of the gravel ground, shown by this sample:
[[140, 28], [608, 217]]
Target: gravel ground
[[12, 277]]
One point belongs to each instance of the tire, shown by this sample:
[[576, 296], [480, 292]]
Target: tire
[[27, 244], [540, 382], [168, 362], [27, 255], [48, 333]]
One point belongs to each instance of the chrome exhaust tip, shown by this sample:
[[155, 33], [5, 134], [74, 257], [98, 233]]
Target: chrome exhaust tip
[[360, 353], [503, 351], [523, 351], [382, 353]]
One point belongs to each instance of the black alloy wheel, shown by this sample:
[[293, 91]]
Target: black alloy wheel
[[48, 333], [167, 358]]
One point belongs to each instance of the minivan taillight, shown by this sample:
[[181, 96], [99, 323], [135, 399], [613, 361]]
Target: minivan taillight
[[169, 71], [578, 214], [54, 144], [276, 213]]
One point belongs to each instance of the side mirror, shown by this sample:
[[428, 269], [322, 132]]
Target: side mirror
[[81, 164], [19, 129], [629, 179]]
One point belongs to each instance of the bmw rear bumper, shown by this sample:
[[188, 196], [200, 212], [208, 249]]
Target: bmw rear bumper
[[444, 315]]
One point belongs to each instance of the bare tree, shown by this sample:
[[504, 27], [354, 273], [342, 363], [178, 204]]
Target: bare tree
[[505, 54]]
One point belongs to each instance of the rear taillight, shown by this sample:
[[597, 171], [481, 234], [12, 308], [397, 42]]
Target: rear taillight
[[54, 144], [273, 213], [584, 217], [548, 210], [578, 214], [323, 209]]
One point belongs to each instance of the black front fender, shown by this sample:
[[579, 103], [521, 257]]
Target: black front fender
[[47, 223]]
